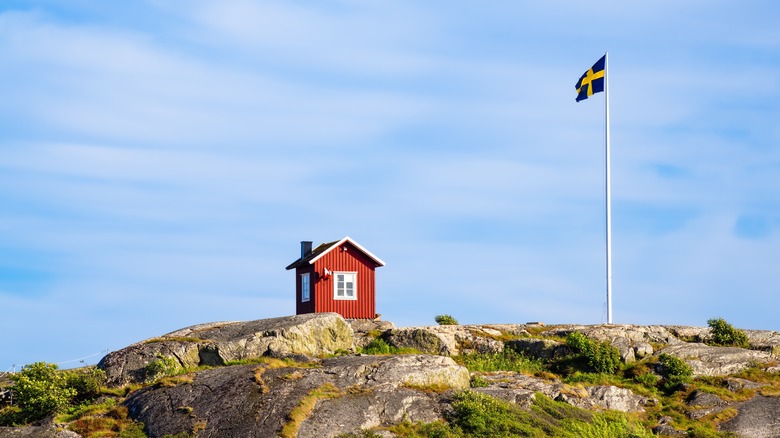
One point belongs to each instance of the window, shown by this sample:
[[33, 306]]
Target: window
[[305, 287], [345, 286]]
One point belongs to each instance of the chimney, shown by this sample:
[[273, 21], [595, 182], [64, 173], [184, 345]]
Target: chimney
[[305, 248]]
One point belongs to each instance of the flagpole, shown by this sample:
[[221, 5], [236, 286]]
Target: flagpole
[[608, 191]]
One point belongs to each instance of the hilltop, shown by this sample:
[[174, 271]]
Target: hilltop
[[320, 375]]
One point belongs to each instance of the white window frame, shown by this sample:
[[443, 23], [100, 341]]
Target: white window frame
[[347, 275], [305, 287]]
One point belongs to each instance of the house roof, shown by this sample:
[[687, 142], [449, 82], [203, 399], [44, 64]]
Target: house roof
[[325, 248]]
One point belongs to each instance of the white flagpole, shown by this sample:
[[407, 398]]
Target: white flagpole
[[608, 192]]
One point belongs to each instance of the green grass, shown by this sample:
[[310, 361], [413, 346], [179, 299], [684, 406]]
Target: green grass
[[481, 416], [508, 360], [380, 347]]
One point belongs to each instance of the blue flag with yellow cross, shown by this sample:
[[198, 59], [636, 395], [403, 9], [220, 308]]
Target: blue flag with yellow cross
[[592, 81]]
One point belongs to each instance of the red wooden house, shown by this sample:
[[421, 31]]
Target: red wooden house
[[336, 277]]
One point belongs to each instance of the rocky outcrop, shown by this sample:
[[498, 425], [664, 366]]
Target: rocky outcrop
[[539, 348], [453, 340], [702, 404], [48, 430], [520, 389], [318, 395], [633, 341], [764, 340], [757, 418], [342, 395], [215, 344], [366, 330], [707, 360]]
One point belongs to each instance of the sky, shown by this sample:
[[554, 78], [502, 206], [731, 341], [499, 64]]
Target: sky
[[161, 160]]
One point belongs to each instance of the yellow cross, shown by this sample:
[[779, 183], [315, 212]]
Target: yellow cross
[[590, 77]]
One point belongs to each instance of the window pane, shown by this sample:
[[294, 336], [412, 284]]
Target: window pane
[[345, 286], [305, 287]]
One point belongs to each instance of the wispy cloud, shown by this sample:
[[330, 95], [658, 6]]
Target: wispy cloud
[[159, 162]]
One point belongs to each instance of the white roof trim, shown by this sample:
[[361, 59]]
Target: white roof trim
[[357, 245]]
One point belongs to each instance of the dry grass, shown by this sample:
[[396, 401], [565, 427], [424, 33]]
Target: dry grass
[[197, 427], [270, 363], [770, 391], [306, 406], [724, 415], [173, 381], [106, 422], [575, 391], [295, 375]]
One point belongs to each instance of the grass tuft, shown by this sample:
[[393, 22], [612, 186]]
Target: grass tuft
[[305, 407]]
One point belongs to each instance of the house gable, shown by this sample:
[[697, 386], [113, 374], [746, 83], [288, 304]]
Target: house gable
[[325, 248], [340, 277]]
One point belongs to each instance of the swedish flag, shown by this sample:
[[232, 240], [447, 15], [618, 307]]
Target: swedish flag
[[592, 81]]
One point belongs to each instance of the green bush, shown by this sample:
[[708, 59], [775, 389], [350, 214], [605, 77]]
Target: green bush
[[11, 416], [445, 320], [39, 390], [87, 382], [479, 382], [377, 346], [134, 430], [602, 357], [649, 380], [675, 371], [725, 334], [161, 367]]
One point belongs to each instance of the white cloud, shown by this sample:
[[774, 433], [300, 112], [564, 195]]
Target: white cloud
[[160, 168]]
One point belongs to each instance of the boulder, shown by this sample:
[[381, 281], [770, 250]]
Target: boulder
[[665, 428], [703, 404], [764, 340], [344, 395], [539, 348], [689, 334], [48, 430], [609, 397], [366, 330], [313, 334], [447, 340], [643, 350], [756, 418], [707, 360]]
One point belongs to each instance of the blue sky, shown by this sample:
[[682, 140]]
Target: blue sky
[[161, 160]]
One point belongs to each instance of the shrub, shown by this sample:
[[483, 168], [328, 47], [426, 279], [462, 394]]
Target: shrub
[[377, 346], [445, 320], [602, 357], [675, 371], [479, 382], [39, 390], [725, 334], [87, 382], [161, 367]]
